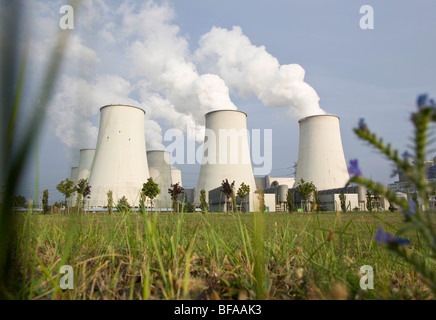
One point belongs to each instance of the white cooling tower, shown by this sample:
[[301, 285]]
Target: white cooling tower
[[160, 170], [120, 163], [320, 156], [226, 154], [176, 176], [84, 170], [74, 176]]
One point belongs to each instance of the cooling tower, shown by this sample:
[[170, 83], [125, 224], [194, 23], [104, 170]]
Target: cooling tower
[[84, 170], [160, 170], [226, 154], [320, 155], [176, 176], [120, 163], [74, 175]]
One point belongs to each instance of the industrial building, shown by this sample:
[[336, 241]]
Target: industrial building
[[120, 163], [86, 162], [160, 170], [226, 155]]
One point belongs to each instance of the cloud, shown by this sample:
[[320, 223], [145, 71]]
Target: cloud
[[253, 71], [78, 100]]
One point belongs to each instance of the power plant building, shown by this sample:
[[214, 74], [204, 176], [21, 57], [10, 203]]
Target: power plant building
[[321, 157], [226, 155], [120, 163]]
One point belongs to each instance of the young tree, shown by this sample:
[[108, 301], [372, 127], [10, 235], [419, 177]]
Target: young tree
[[45, 206], [189, 207], [316, 199], [175, 191], [304, 190], [369, 200], [123, 205], [150, 190], [290, 201], [67, 188], [110, 201], [243, 192], [83, 192], [19, 201], [343, 199], [203, 203], [227, 189]]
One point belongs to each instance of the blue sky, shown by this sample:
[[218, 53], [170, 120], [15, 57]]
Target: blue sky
[[373, 74]]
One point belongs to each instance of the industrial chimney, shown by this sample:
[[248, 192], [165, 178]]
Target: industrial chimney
[[226, 154], [320, 156], [120, 163], [160, 170], [84, 170]]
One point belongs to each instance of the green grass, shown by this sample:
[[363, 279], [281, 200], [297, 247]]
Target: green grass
[[213, 256]]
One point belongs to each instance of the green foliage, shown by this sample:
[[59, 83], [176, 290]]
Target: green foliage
[[175, 191], [83, 192], [261, 199], [228, 189], [290, 201], [150, 190], [343, 199], [317, 200], [189, 207], [123, 204], [66, 187], [20, 201], [15, 152], [369, 198], [110, 201], [243, 192], [422, 253], [45, 205], [304, 190], [203, 203]]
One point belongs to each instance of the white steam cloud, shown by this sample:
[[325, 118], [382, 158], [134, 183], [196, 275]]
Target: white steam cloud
[[253, 71], [156, 70]]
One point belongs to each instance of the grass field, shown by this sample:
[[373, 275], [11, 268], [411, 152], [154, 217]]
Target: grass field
[[213, 256]]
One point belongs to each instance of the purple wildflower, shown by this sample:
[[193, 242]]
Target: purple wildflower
[[354, 168], [387, 238], [423, 101], [406, 155], [362, 125], [412, 207]]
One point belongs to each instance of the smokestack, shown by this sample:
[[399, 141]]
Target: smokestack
[[226, 154], [120, 163], [84, 170], [160, 170], [320, 156]]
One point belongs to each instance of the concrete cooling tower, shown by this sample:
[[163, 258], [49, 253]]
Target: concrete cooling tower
[[85, 166], [74, 175], [320, 155], [120, 163], [226, 154], [176, 176], [160, 170]]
